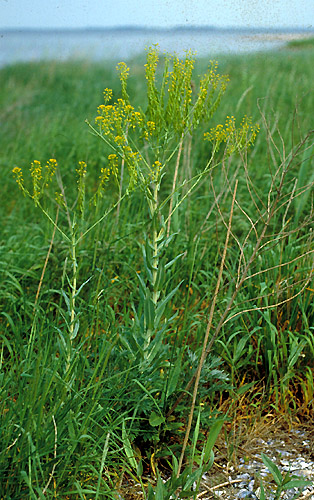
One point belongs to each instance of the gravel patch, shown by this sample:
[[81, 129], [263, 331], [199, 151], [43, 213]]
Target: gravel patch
[[292, 452]]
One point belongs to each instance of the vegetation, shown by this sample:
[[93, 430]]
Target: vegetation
[[160, 287], [304, 43]]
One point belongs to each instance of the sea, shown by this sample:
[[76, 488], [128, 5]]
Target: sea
[[116, 44]]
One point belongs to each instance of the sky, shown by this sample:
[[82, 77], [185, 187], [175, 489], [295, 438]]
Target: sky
[[156, 13]]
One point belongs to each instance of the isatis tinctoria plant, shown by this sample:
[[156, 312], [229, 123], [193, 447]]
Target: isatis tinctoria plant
[[35, 187], [147, 148]]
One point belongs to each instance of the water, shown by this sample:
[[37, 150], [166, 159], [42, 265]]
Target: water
[[123, 44]]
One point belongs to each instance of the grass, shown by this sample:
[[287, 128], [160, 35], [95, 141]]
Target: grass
[[77, 420], [306, 43]]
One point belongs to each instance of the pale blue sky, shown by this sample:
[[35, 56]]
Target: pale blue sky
[[164, 13]]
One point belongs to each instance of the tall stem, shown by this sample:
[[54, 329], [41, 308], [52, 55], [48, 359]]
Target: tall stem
[[174, 183]]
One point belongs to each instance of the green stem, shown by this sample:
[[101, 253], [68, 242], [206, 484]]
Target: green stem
[[174, 183]]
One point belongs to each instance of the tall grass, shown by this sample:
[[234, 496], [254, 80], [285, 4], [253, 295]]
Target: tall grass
[[76, 419]]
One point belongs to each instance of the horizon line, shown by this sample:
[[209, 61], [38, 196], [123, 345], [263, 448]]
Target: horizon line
[[139, 27]]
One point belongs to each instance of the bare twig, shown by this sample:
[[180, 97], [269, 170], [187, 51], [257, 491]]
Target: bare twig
[[214, 488], [15, 440], [272, 306]]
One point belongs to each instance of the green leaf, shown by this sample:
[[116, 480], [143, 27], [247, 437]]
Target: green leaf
[[211, 439], [273, 469], [151, 494], [128, 448], [160, 278], [162, 304], [262, 492], [174, 377], [159, 493], [154, 347], [156, 419], [296, 483], [149, 311], [169, 264], [139, 470], [75, 329], [80, 288], [67, 300]]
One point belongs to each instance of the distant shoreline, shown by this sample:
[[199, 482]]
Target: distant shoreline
[[123, 43], [174, 30]]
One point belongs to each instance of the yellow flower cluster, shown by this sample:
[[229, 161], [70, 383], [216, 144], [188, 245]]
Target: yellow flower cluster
[[114, 120], [40, 177], [18, 174], [105, 172], [151, 65], [107, 95], [123, 71], [60, 199], [155, 170], [150, 127], [180, 91], [35, 170], [205, 105], [113, 163], [188, 70], [235, 138], [104, 177], [51, 166], [81, 170]]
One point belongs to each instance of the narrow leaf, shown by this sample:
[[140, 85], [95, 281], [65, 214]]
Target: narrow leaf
[[211, 439], [273, 469]]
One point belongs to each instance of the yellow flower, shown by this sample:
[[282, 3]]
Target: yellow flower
[[107, 95], [155, 170], [17, 172], [151, 127], [119, 140], [51, 166], [81, 170], [113, 163]]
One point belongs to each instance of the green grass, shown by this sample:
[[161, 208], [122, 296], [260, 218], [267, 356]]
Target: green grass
[[71, 433], [306, 43]]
